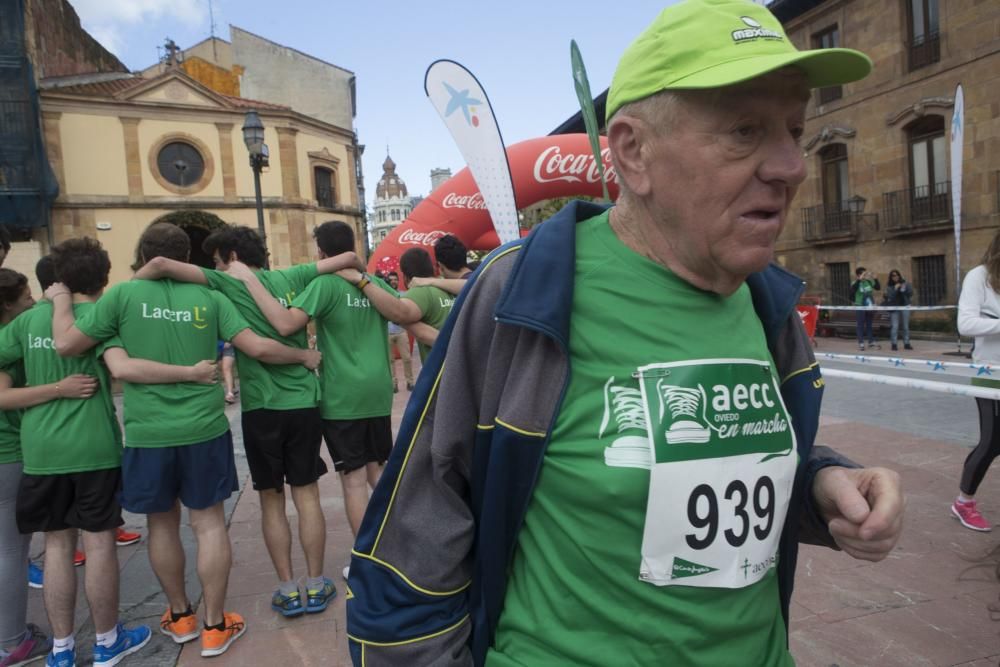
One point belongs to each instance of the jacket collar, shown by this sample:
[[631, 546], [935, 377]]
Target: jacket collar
[[539, 293]]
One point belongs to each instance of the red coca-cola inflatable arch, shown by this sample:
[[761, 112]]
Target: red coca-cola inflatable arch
[[543, 168]]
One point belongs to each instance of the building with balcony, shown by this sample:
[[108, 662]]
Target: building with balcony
[[878, 192], [129, 149]]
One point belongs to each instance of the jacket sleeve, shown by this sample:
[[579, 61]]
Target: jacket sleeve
[[971, 319], [411, 566]]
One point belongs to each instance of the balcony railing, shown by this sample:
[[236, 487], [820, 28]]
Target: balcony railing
[[925, 50], [918, 208], [829, 222]]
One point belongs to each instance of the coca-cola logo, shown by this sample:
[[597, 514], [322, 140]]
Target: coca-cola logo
[[474, 202], [552, 165], [411, 237]]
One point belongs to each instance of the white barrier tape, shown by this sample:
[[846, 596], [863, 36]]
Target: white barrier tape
[[806, 305], [920, 365], [929, 385]]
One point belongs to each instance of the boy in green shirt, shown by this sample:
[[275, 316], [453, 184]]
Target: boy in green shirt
[[178, 446], [356, 382], [434, 304], [71, 483], [282, 428]]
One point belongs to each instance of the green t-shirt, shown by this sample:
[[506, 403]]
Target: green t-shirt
[[865, 296], [435, 305], [350, 332], [173, 323], [574, 596], [10, 420], [275, 387], [66, 435]]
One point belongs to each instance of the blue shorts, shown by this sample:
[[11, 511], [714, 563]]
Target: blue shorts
[[200, 475]]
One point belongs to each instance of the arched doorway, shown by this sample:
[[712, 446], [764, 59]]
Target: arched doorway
[[197, 225]]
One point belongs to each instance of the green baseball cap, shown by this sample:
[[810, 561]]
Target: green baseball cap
[[716, 43]]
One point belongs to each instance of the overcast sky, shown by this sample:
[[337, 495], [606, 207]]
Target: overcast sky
[[518, 49]]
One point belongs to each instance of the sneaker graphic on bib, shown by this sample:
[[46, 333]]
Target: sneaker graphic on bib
[[684, 405], [625, 419]]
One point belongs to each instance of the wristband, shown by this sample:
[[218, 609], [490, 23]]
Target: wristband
[[364, 281]]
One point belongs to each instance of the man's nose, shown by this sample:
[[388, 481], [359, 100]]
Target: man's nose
[[785, 162]]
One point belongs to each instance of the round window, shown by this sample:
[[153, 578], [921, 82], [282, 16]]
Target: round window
[[180, 163]]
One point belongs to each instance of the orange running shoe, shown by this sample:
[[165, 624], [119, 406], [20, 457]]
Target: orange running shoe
[[184, 629], [124, 538], [79, 558], [216, 642]]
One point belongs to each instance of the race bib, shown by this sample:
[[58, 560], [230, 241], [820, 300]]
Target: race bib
[[724, 461]]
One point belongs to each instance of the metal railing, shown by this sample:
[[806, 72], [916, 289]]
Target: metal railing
[[918, 208], [925, 50], [829, 223]]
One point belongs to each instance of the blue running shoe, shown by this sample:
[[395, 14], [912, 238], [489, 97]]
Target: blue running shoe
[[36, 578], [317, 601], [129, 641], [287, 605], [61, 659]]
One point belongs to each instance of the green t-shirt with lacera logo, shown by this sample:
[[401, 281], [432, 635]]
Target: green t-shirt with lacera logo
[[10, 420], [350, 332], [69, 434], [435, 305], [173, 323], [275, 387], [574, 595]]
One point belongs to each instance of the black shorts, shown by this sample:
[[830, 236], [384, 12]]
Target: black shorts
[[84, 500], [353, 443], [282, 447]]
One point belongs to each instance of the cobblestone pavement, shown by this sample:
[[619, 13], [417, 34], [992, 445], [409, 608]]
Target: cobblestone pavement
[[925, 605]]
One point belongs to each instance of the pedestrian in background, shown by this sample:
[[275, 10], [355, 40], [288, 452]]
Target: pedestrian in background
[[863, 294], [898, 292], [978, 313]]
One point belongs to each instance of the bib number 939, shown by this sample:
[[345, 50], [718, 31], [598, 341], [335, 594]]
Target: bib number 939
[[703, 511]]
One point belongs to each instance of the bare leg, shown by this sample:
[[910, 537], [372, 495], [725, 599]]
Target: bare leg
[[215, 558], [374, 472], [60, 580], [312, 527], [355, 488], [277, 534], [166, 556], [101, 578]]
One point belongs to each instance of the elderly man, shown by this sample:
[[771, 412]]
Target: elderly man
[[615, 462]]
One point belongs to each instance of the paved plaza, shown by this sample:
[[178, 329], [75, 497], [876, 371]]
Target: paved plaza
[[927, 604]]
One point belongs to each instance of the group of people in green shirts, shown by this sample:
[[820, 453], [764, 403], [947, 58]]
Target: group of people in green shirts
[[67, 469]]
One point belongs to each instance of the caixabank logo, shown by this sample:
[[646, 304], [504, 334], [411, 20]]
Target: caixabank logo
[[754, 31]]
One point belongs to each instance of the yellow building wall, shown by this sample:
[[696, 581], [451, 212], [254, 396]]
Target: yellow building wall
[[93, 151], [309, 143], [217, 78], [150, 133], [270, 179]]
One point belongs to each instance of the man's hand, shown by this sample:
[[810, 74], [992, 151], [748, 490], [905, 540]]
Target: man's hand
[[311, 359], [239, 270], [863, 509], [204, 372], [77, 386], [55, 289], [352, 276]]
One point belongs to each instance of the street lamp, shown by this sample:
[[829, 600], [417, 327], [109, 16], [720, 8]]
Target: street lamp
[[253, 137], [856, 204]]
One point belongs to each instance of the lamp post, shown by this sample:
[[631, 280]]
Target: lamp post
[[253, 137]]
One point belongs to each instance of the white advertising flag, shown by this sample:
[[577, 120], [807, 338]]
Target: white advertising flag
[[466, 111], [957, 141]]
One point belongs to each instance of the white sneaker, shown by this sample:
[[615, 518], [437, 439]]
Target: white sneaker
[[346, 572]]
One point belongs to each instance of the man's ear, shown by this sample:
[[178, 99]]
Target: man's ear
[[627, 136]]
